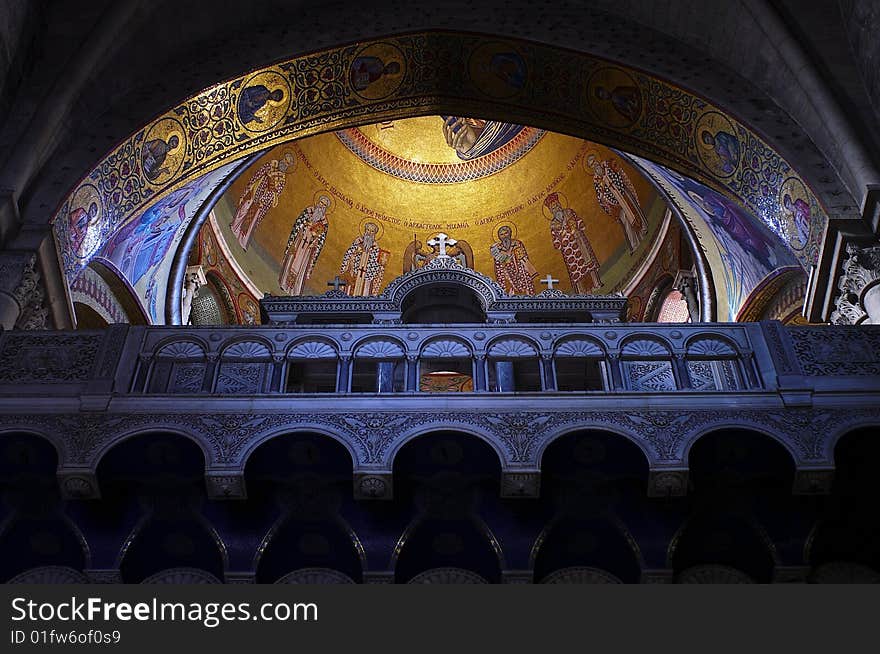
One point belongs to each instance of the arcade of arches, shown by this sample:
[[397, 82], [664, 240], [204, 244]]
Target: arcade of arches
[[568, 296]]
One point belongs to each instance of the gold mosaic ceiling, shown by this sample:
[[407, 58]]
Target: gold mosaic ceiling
[[364, 203]]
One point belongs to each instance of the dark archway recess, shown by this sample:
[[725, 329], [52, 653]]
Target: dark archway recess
[[849, 526], [442, 303], [449, 482], [716, 537], [591, 482]]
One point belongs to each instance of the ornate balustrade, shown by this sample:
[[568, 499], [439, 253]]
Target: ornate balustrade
[[232, 388]]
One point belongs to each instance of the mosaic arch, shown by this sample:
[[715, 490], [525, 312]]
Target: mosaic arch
[[447, 74]]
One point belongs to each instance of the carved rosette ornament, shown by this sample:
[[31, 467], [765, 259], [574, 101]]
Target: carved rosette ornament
[[667, 483], [447, 576], [859, 284], [373, 486]]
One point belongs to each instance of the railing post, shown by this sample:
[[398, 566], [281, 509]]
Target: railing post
[[277, 385], [210, 372], [680, 371], [480, 383], [614, 367], [343, 373], [548, 379], [412, 364]]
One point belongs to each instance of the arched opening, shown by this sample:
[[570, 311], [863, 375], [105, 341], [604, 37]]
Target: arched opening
[[848, 529], [589, 479], [442, 303], [450, 480], [302, 482], [153, 492], [719, 538]]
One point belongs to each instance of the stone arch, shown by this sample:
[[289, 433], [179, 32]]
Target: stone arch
[[29, 431], [615, 430], [312, 346], [307, 427], [713, 337], [850, 425], [247, 347], [747, 525], [585, 345], [318, 544], [645, 345], [365, 341], [141, 573], [486, 290], [742, 424], [32, 542], [467, 429], [579, 122], [158, 427], [527, 341]]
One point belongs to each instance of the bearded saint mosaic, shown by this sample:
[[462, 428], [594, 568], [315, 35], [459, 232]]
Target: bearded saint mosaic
[[568, 233], [304, 246], [513, 270], [363, 264]]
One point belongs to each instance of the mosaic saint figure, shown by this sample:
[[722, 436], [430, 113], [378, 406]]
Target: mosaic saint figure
[[513, 270], [737, 227], [304, 246], [473, 137], [154, 153], [569, 237], [80, 219], [618, 198], [260, 195], [626, 100], [800, 212], [253, 99], [726, 146], [366, 70], [382, 260], [360, 263]]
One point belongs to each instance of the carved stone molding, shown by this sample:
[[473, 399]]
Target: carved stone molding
[[373, 486], [861, 272], [78, 485], [521, 484]]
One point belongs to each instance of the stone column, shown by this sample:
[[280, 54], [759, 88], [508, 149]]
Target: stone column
[[614, 368], [210, 372], [343, 373], [680, 371], [278, 383], [548, 378], [480, 382], [412, 366], [21, 293]]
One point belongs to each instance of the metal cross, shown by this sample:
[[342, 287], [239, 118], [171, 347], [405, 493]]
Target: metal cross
[[549, 281], [442, 240], [336, 282]]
